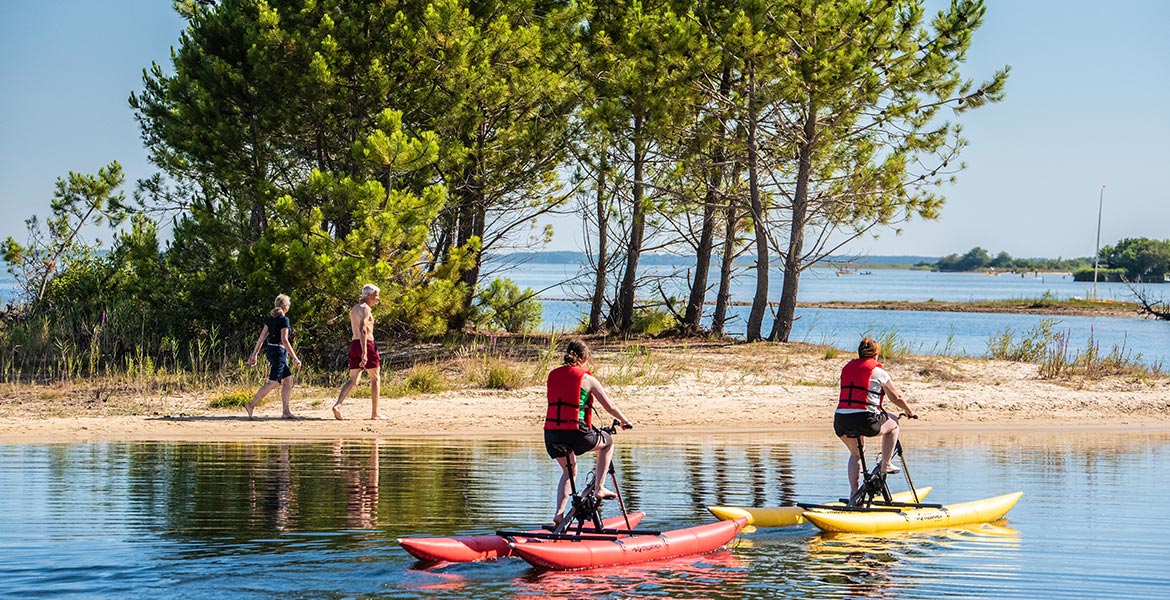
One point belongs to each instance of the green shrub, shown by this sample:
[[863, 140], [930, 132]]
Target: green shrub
[[232, 399], [425, 380], [652, 321], [502, 377], [502, 304]]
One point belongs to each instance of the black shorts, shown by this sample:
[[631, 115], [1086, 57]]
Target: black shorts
[[278, 359], [580, 441], [865, 423]]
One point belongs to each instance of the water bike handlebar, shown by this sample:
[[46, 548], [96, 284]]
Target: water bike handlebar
[[613, 427]]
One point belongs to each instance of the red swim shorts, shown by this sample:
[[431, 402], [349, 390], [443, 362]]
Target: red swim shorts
[[373, 361]]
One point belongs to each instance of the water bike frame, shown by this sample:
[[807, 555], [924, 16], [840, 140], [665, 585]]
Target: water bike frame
[[582, 520], [873, 494]]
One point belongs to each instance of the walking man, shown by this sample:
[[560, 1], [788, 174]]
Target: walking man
[[363, 354]]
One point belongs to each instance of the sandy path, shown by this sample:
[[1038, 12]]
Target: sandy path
[[689, 389]]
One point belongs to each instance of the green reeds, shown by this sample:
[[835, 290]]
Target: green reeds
[[1034, 343], [1050, 350]]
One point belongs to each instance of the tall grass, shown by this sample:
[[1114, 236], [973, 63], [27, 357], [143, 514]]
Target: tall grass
[[1030, 347], [1049, 349], [128, 348]]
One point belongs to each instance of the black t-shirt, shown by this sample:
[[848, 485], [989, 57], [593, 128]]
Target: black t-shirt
[[275, 324]]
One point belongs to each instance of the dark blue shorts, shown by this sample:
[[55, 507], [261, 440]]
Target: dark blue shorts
[[278, 358]]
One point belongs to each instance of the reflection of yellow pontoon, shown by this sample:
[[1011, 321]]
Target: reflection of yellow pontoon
[[977, 511], [783, 516]]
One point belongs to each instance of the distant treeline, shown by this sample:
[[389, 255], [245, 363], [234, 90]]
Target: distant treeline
[[1134, 259], [977, 259]]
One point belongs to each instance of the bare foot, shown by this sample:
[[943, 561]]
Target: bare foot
[[604, 494], [378, 417], [288, 416], [891, 469], [337, 412], [248, 407]]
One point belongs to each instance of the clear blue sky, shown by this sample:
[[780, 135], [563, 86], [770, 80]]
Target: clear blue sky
[[1086, 106]]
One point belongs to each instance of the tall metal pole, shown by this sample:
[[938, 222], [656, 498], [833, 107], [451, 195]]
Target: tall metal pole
[[1097, 252]]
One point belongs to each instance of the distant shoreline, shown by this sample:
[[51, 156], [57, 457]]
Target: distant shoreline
[[1100, 308], [1075, 308]]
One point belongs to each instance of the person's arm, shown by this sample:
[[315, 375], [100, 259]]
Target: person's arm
[[594, 387], [288, 346], [896, 397], [256, 350], [364, 330]]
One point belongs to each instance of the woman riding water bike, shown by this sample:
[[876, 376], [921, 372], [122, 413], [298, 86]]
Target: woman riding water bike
[[568, 422], [864, 386]]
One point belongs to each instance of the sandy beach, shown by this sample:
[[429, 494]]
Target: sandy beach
[[665, 388]]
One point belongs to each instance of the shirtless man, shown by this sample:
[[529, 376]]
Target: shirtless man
[[363, 354]]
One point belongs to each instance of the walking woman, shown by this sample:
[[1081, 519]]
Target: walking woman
[[568, 422], [274, 337]]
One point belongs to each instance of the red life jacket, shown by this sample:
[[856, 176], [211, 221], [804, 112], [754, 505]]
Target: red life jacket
[[855, 376], [569, 406]]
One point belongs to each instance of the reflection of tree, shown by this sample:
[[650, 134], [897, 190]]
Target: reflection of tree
[[757, 476], [627, 473], [780, 457], [243, 490], [693, 461], [720, 473]]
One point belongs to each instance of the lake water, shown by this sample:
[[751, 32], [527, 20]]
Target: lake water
[[320, 519], [927, 332]]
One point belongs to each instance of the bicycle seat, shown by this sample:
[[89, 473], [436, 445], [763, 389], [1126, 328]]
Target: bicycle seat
[[560, 450]]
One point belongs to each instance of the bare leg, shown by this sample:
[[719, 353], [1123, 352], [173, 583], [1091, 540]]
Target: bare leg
[[375, 390], [286, 387], [354, 376], [563, 487], [854, 462], [260, 394], [889, 440], [604, 451]]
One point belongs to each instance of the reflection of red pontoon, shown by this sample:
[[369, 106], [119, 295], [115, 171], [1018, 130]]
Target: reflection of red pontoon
[[585, 554], [472, 548], [717, 574]]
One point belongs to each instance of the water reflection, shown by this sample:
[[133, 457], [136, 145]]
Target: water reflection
[[361, 481], [311, 519], [720, 574]]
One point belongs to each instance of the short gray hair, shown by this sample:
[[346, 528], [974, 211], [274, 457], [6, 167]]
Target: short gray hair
[[368, 289]]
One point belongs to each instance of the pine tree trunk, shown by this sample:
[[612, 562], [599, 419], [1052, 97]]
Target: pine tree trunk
[[598, 300], [723, 297], [760, 300], [625, 320], [692, 319], [785, 316]]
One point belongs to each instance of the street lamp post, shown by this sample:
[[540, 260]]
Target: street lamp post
[[1097, 252]]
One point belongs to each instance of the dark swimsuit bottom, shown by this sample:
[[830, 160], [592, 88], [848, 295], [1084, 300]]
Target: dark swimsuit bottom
[[580, 441]]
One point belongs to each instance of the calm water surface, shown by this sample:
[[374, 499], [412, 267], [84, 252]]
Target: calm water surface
[[319, 520]]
